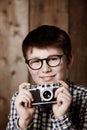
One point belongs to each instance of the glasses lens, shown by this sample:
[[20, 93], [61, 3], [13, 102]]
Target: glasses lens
[[35, 63], [53, 60]]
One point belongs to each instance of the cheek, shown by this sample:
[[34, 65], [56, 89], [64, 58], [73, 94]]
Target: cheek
[[34, 74], [61, 72]]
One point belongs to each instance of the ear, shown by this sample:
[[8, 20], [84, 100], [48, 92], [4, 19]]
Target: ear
[[70, 61]]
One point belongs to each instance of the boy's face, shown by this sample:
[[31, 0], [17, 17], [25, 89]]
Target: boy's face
[[48, 74]]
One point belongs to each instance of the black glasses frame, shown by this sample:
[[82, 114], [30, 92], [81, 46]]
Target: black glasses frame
[[46, 59]]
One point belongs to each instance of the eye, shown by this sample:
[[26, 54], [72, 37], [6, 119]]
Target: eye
[[53, 58], [34, 61]]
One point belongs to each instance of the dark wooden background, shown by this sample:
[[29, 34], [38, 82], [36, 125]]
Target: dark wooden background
[[17, 17]]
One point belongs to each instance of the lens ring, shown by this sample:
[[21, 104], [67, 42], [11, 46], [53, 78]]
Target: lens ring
[[46, 95]]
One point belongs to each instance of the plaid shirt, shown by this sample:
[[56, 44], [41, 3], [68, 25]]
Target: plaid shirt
[[75, 119]]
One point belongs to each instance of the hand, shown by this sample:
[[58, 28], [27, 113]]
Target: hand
[[64, 99], [23, 106]]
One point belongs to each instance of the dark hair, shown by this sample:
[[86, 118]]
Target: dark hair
[[47, 36]]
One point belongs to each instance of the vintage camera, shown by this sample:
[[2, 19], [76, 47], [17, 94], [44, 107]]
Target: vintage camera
[[43, 94]]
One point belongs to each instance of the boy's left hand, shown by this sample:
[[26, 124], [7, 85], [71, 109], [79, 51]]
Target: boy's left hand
[[64, 100]]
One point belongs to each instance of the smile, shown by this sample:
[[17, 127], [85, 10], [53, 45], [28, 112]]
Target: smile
[[47, 78]]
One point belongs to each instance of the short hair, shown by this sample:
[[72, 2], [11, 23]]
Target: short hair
[[47, 36]]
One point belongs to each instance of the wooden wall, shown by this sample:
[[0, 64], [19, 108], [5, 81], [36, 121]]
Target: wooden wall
[[13, 28], [78, 32], [17, 17], [48, 12]]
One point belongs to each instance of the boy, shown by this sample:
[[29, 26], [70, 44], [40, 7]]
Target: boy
[[48, 55]]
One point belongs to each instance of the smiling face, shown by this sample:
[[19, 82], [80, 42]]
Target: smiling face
[[48, 74]]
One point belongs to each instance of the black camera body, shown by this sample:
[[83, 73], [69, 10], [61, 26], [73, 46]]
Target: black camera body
[[43, 94]]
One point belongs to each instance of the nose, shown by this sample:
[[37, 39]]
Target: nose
[[46, 68]]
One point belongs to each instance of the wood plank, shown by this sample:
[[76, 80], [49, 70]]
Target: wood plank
[[48, 12], [13, 28], [78, 33]]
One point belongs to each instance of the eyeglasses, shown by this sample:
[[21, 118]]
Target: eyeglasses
[[52, 61]]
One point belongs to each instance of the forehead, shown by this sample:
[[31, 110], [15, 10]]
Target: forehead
[[43, 53]]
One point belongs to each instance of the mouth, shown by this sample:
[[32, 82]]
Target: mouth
[[47, 78]]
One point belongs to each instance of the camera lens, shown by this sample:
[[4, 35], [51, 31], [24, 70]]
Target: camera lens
[[47, 94]]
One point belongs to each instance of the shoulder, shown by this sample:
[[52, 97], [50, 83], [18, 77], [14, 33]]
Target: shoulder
[[78, 90]]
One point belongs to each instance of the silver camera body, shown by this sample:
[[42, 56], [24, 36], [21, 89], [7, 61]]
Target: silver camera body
[[43, 94]]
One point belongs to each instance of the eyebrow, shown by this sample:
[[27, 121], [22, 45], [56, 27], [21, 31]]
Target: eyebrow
[[45, 57]]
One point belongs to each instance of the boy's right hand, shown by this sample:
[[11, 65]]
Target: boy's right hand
[[23, 106]]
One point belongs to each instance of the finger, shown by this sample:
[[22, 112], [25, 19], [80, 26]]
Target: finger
[[27, 93], [66, 91], [28, 96], [63, 98], [63, 84], [24, 100], [62, 89], [23, 90], [23, 85]]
